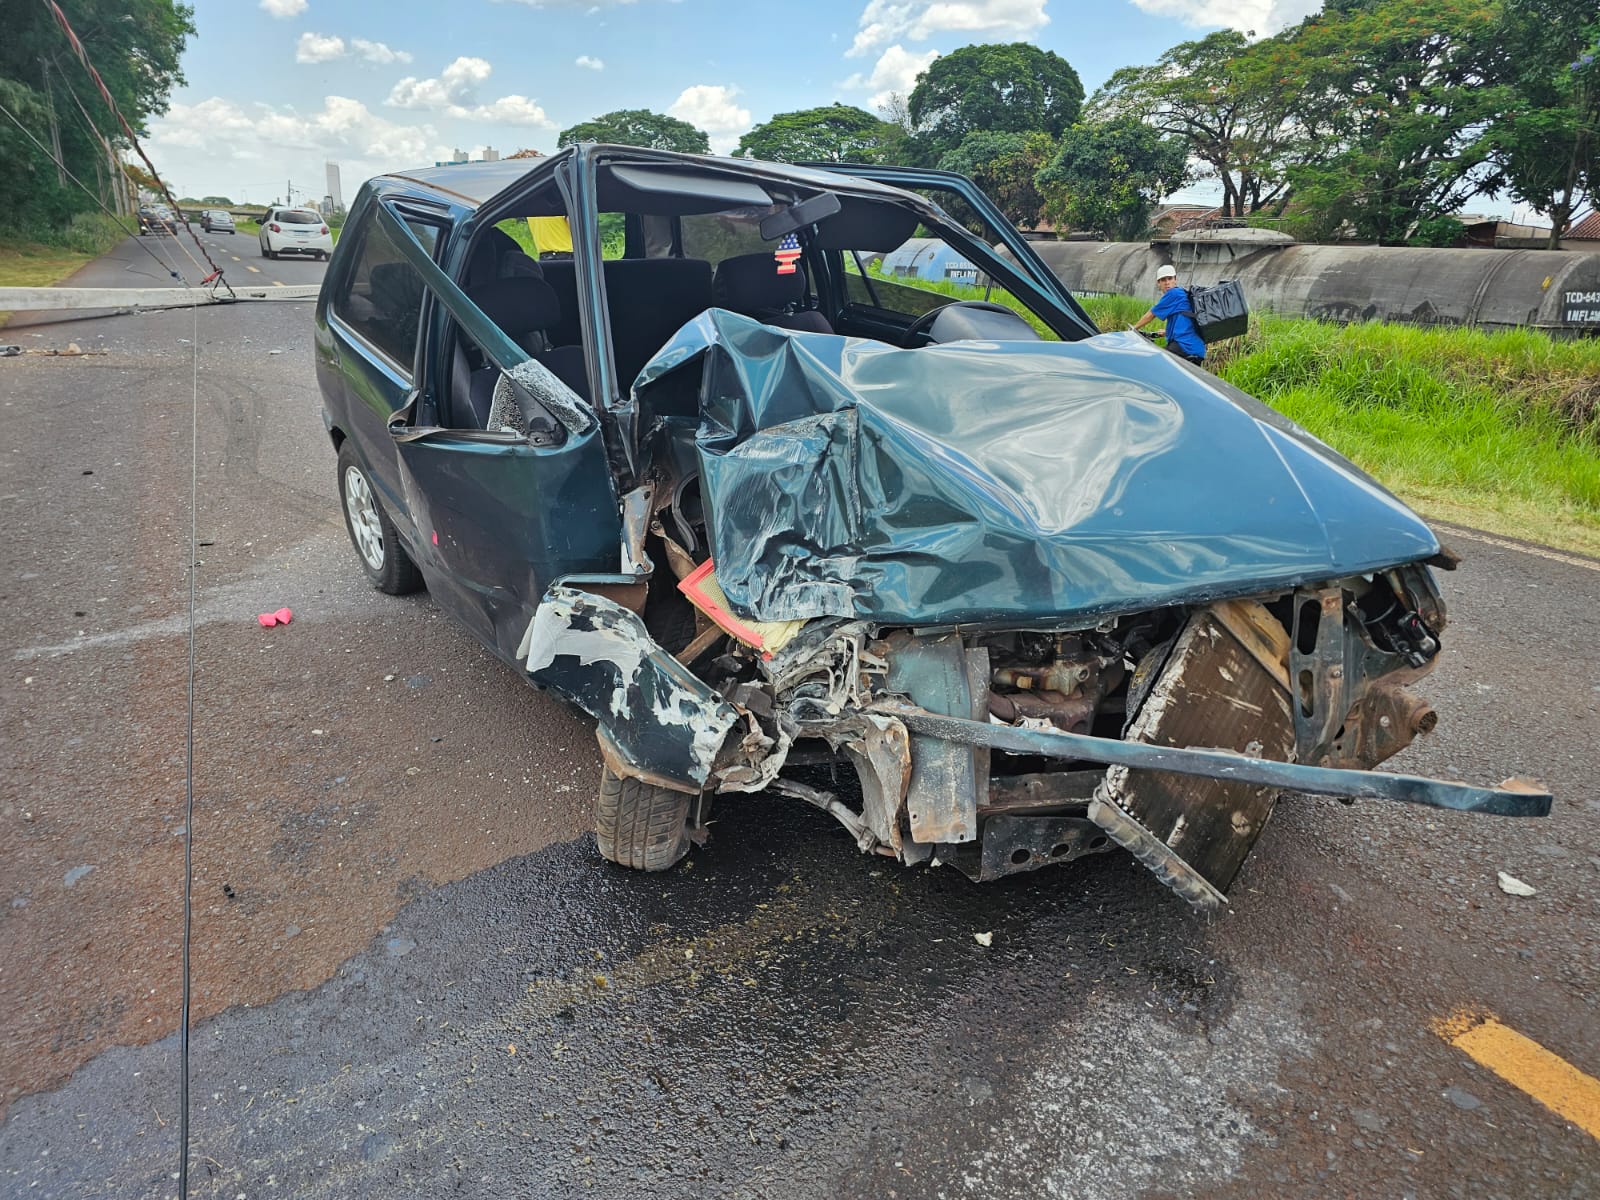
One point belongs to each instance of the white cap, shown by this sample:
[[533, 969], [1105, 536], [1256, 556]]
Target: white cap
[[1166, 271]]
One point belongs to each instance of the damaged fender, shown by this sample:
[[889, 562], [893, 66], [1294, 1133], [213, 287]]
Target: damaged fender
[[656, 720]]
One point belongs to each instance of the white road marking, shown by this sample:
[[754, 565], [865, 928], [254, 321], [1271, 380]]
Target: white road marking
[[1489, 539], [235, 257], [257, 270], [279, 283]]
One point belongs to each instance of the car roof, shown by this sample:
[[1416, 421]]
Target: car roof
[[474, 184]]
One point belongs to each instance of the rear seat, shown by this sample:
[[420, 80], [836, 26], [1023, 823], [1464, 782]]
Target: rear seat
[[650, 299]]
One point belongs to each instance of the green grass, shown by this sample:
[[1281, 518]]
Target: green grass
[[39, 258], [1496, 430]]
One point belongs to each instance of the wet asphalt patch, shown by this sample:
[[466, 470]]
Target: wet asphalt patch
[[555, 1025]]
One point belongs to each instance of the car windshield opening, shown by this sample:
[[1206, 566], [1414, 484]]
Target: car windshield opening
[[299, 216]]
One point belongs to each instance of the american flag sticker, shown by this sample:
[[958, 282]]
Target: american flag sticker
[[787, 254]]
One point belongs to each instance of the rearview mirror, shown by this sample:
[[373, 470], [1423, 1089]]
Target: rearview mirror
[[797, 216]]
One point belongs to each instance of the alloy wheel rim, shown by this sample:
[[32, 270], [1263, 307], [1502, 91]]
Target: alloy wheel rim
[[363, 512]]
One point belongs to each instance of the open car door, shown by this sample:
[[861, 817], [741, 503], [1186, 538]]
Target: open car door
[[929, 183], [500, 514]]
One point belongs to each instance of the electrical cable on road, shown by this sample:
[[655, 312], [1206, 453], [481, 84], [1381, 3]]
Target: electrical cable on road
[[216, 277]]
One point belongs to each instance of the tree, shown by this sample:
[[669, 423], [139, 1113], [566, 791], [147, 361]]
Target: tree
[[1395, 99], [1232, 115], [638, 127], [1015, 88], [217, 201], [134, 44], [834, 133], [1547, 141], [1004, 166], [1106, 175]]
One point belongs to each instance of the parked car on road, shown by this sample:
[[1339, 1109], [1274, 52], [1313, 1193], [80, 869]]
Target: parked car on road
[[294, 231], [752, 505], [216, 220]]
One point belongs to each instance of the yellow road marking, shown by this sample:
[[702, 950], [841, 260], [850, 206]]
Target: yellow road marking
[[248, 267], [1525, 1064], [279, 283], [235, 257]]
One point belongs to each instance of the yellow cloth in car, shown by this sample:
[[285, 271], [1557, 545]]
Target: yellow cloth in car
[[551, 235]]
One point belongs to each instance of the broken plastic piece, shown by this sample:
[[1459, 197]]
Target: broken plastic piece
[[282, 617], [705, 593]]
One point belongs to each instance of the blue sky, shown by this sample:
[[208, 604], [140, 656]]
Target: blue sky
[[277, 87]]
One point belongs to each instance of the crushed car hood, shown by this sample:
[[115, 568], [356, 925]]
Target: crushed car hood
[[1017, 482]]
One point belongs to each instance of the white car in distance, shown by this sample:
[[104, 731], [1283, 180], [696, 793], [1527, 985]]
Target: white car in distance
[[294, 231]]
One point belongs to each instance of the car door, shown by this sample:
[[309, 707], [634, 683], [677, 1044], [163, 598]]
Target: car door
[[930, 183], [498, 518]]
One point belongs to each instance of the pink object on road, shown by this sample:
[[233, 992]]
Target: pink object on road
[[282, 617]]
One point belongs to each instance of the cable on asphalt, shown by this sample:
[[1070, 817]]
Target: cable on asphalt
[[215, 277]]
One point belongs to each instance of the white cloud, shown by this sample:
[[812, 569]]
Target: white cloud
[[455, 94], [1259, 16], [211, 143], [315, 48], [510, 110], [711, 107], [377, 52], [283, 9], [886, 21], [894, 73], [594, 64], [456, 85]]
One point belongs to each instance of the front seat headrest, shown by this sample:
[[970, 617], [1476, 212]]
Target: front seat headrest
[[751, 281], [518, 305]]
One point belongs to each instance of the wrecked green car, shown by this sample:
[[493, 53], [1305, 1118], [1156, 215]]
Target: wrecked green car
[[659, 430]]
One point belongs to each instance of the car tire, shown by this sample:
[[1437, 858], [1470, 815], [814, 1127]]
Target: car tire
[[639, 825], [377, 544], [264, 253]]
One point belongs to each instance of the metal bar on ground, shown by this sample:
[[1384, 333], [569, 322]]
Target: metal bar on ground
[[1510, 799], [49, 299]]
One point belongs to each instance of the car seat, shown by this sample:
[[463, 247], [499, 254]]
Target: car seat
[[525, 309], [750, 284]]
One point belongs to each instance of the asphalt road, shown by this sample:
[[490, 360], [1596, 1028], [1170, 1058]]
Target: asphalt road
[[159, 260], [413, 974]]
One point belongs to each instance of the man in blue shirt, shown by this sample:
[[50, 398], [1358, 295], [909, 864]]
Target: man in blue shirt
[[1183, 335]]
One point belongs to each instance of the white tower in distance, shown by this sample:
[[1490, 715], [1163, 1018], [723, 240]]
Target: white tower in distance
[[333, 187]]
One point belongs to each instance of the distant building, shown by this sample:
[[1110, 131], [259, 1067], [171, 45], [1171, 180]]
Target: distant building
[[1583, 235], [490, 154], [931, 259], [335, 195]]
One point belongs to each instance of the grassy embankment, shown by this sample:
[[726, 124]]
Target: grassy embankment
[[1499, 431], [39, 258]]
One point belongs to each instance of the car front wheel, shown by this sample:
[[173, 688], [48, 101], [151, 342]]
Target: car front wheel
[[641, 825], [372, 533]]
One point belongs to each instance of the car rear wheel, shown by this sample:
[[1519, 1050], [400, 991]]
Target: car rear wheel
[[372, 533], [641, 825]]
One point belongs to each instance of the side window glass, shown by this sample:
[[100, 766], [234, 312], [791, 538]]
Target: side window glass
[[381, 298]]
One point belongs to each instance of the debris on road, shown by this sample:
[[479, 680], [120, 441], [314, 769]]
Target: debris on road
[[983, 939], [1512, 886], [282, 617]]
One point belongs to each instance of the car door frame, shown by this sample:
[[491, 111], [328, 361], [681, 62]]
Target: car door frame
[[497, 518]]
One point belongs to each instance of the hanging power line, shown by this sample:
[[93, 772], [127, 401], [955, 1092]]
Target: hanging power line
[[167, 267], [105, 94]]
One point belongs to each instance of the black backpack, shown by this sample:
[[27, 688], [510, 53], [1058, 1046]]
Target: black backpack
[[1218, 312]]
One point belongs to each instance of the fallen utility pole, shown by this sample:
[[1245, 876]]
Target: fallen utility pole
[[49, 299]]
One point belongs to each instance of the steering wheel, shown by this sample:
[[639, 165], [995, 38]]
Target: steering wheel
[[921, 326]]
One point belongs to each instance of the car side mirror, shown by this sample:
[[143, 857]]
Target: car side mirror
[[797, 216]]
